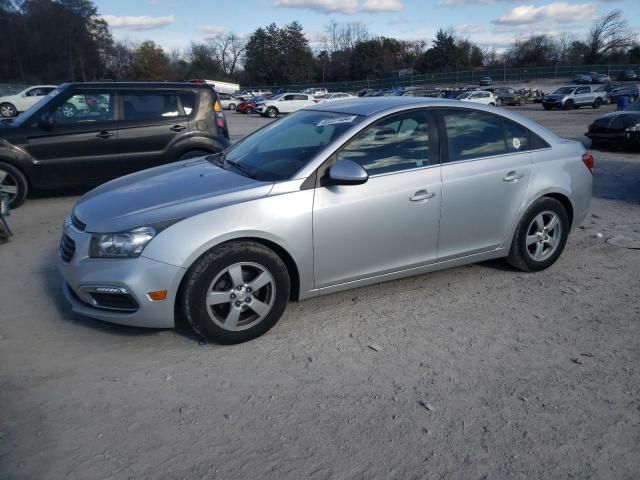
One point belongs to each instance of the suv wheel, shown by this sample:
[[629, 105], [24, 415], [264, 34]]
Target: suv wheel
[[540, 236], [14, 184], [236, 292], [597, 103], [7, 110], [568, 105], [272, 112], [232, 106]]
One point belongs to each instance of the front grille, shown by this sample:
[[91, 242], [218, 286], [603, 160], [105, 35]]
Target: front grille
[[67, 248], [114, 301], [77, 223]]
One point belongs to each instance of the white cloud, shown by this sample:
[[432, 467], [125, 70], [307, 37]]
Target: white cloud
[[211, 31], [470, 28], [375, 6], [454, 3], [559, 12], [322, 6], [138, 23]]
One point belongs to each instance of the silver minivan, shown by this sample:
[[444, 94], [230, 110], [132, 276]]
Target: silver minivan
[[335, 196]]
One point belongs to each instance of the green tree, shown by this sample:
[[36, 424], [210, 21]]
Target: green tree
[[150, 62]]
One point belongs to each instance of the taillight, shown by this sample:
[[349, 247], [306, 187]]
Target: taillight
[[589, 161], [219, 114]]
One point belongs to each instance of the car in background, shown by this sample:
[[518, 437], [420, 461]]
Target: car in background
[[480, 96], [508, 96], [454, 93], [573, 96], [470, 87], [627, 75], [228, 102], [583, 78], [316, 92], [375, 93], [606, 89], [12, 105], [485, 81], [338, 196], [600, 78], [285, 103], [334, 96], [249, 105], [632, 91], [364, 91], [417, 92], [621, 128], [121, 128]]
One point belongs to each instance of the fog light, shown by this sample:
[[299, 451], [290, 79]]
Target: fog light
[[157, 295]]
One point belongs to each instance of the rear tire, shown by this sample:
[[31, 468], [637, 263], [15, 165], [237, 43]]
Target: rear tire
[[499, 102], [597, 103], [235, 292], [14, 183], [569, 105], [7, 110], [540, 236]]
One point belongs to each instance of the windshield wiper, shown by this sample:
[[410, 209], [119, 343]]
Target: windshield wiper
[[241, 168]]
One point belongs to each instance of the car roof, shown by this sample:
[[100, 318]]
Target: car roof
[[367, 106], [141, 85]]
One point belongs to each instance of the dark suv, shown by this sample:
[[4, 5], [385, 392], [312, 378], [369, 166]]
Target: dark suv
[[87, 133]]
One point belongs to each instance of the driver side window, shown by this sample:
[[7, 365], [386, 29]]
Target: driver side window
[[85, 107]]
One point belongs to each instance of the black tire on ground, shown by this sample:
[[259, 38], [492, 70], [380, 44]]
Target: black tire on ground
[[232, 106], [597, 103], [13, 182], [198, 285], [272, 112], [194, 154], [7, 110], [519, 256], [248, 110], [568, 105], [547, 107], [499, 102]]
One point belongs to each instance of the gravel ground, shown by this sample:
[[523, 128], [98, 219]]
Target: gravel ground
[[481, 372]]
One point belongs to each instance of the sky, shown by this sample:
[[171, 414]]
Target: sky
[[491, 23]]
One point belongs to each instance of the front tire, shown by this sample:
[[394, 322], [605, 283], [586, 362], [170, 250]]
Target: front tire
[[236, 292], [248, 110], [232, 106], [272, 112], [499, 102], [540, 236], [7, 110], [14, 184]]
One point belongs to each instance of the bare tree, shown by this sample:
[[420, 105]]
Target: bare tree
[[609, 33], [344, 36], [226, 50]]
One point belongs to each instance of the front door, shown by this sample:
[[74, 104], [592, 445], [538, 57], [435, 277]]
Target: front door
[[483, 183], [150, 122], [390, 222], [81, 145]]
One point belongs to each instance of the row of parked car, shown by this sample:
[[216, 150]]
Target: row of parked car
[[595, 77]]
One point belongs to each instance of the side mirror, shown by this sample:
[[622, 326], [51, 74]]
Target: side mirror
[[46, 122], [347, 172]]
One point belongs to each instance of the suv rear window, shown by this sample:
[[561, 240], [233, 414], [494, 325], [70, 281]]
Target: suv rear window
[[150, 106], [188, 100]]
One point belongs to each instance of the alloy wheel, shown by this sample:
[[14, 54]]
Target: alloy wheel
[[240, 296], [543, 236], [68, 111], [7, 110], [8, 185]]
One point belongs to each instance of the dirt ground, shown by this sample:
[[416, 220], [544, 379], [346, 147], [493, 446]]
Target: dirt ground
[[483, 372]]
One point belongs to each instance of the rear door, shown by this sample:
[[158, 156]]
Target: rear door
[[484, 180], [286, 104], [149, 124], [82, 144], [584, 96]]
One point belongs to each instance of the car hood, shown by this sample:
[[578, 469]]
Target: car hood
[[174, 191], [556, 96], [618, 120]]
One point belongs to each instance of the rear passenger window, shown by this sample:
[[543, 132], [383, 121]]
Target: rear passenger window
[[537, 143], [473, 134], [150, 106], [188, 100], [517, 137]]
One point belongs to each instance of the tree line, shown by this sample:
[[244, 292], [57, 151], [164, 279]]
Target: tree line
[[66, 40]]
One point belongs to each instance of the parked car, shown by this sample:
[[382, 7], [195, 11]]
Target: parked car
[[531, 95], [601, 78], [573, 96], [480, 96], [364, 91], [485, 81], [249, 105], [470, 87], [228, 102], [131, 126], [453, 93], [285, 103], [374, 93], [605, 89], [621, 128], [419, 92], [627, 75], [508, 96], [333, 197], [12, 105], [334, 96], [582, 78], [632, 91]]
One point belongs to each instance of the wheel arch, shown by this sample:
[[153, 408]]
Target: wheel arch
[[564, 200]]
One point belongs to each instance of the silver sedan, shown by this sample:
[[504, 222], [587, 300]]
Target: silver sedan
[[336, 196]]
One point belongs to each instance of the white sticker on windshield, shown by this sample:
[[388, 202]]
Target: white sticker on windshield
[[335, 121], [516, 143]]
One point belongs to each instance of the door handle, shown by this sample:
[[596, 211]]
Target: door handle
[[105, 135], [513, 177], [177, 128], [422, 195]]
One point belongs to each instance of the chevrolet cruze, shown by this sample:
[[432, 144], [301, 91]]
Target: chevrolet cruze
[[333, 197]]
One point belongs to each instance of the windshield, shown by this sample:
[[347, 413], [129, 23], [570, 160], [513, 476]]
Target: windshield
[[279, 150], [276, 97], [36, 106], [464, 95], [565, 90]]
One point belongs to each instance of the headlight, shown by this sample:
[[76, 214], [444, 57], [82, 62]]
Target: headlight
[[127, 244], [634, 128]]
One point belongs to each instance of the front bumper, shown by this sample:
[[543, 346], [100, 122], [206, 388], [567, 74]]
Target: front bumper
[[137, 276], [615, 137]]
